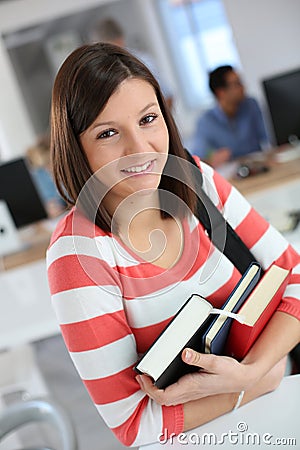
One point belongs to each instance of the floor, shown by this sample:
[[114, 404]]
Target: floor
[[60, 379], [65, 385]]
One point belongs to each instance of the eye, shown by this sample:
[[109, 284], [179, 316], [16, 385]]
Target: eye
[[148, 118], [106, 134]]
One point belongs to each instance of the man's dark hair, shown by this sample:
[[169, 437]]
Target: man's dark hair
[[217, 78]]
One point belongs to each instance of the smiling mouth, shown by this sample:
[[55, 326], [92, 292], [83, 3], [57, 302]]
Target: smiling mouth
[[139, 169]]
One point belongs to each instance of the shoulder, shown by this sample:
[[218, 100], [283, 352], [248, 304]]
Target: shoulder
[[75, 223], [63, 227], [41, 172], [79, 254], [251, 103], [213, 184]]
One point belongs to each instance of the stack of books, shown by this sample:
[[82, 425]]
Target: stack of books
[[230, 331]]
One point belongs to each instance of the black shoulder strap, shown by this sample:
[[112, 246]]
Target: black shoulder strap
[[219, 230]]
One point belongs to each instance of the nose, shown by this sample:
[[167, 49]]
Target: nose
[[135, 142]]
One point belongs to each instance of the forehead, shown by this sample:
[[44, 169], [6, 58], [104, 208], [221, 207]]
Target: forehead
[[132, 94], [232, 76]]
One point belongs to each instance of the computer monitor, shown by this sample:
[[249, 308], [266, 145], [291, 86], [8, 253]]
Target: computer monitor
[[18, 190], [283, 99]]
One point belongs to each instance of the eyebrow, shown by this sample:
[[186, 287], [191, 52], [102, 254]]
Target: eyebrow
[[111, 123]]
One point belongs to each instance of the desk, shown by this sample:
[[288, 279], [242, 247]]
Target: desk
[[275, 204], [36, 239], [279, 174], [258, 424], [274, 194]]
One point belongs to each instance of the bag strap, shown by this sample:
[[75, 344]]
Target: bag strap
[[219, 230]]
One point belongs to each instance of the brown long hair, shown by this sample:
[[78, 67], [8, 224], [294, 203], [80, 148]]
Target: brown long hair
[[83, 86]]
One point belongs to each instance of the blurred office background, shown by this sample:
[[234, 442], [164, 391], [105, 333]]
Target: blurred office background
[[186, 38]]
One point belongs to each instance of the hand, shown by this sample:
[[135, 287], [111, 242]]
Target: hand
[[219, 157], [217, 374]]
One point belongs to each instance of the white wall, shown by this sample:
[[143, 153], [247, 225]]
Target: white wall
[[16, 129], [15, 14], [267, 35]]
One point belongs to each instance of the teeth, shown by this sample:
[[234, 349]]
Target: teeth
[[137, 169]]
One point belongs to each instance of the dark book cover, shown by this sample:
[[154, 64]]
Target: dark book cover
[[189, 328], [216, 343], [178, 367]]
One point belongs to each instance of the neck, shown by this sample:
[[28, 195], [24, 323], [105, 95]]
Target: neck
[[230, 109], [139, 211]]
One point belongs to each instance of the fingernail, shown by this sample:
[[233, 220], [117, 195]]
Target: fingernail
[[139, 379], [188, 355]]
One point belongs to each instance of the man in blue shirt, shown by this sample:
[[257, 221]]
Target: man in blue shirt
[[234, 127]]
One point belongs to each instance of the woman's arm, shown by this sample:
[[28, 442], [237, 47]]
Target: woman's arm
[[89, 307], [278, 338], [225, 375], [202, 410], [214, 390], [281, 335]]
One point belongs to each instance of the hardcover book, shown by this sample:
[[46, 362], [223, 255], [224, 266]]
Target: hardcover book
[[195, 320], [214, 338], [256, 312]]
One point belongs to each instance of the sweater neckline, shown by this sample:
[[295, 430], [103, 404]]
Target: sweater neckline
[[183, 261]]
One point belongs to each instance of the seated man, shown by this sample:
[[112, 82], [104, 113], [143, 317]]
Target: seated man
[[234, 127]]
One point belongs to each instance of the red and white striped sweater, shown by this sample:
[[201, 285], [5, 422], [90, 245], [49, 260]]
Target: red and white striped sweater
[[111, 305]]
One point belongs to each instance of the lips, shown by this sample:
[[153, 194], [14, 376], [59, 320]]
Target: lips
[[139, 169]]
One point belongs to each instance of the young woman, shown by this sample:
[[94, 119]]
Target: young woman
[[131, 251]]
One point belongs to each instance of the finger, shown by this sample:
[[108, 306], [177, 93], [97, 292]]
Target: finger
[[144, 381], [147, 385], [151, 390], [204, 361]]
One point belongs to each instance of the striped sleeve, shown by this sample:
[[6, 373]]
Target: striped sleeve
[[265, 242], [101, 343]]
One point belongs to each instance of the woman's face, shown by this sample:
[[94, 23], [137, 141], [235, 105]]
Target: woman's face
[[127, 144]]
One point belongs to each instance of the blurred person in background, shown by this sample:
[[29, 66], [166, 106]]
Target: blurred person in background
[[38, 156], [234, 127], [110, 31]]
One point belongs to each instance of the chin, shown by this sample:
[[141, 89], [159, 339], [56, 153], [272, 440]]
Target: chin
[[146, 192]]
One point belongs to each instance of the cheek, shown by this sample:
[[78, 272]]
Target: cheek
[[107, 172], [101, 160], [163, 140], [97, 163]]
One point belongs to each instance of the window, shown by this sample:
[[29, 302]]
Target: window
[[200, 39]]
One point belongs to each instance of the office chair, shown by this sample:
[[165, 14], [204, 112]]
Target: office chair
[[39, 410]]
